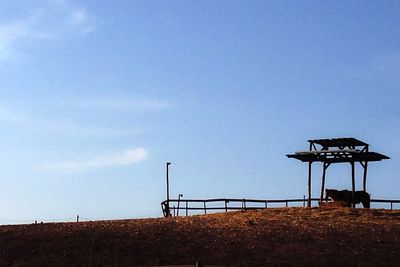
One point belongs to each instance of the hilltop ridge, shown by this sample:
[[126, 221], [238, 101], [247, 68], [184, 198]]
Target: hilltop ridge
[[267, 237]]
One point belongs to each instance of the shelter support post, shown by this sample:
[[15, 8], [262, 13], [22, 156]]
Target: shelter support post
[[353, 185], [365, 176], [309, 184], [324, 167], [365, 170]]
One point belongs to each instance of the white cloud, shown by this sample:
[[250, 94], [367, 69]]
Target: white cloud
[[72, 128], [388, 64], [384, 66], [50, 20], [127, 157], [78, 16], [9, 116], [64, 127], [10, 34], [81, 19], [124, 104]]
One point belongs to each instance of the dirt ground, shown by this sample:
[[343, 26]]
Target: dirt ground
[[269, 237]]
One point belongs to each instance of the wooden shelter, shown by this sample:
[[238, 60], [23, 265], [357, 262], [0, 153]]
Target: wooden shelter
[[337, 150]]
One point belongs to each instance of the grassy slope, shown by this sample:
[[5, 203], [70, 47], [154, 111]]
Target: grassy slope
[[284, 236]]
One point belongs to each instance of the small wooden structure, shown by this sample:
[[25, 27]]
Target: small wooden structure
[[337, 150]]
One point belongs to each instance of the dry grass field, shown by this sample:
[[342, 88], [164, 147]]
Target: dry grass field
[[270, 237]]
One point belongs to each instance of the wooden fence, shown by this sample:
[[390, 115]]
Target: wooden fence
[[175, 207]]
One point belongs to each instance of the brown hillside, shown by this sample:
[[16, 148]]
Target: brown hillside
[[270, 237]]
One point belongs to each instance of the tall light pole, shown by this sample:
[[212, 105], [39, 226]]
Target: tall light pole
[[168, 210], [179, 200]]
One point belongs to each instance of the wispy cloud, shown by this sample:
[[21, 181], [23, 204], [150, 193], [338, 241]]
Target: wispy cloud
[[9, 116], [31, 123], [388, 64], [40, 116], [80, 19], [66, 127], [10, 34], [50, 20], [124, 104], [384, 66], [127, 157]]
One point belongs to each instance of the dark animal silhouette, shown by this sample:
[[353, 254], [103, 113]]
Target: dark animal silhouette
[[346, 196]]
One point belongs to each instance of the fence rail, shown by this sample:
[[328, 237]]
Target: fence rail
[[390, 201], [172, 207]]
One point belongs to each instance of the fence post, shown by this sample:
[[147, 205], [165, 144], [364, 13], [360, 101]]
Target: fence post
[[186, 208], [304, 201], [391, 205], [244, 204], [286, 203], [205, 209], [226, 205], [77, 218], [266, 203]]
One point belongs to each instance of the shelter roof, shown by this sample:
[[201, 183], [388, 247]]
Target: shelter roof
[[338, 150], [338, 142], [337, 156]]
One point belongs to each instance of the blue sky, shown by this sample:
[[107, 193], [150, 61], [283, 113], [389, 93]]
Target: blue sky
[[97, 95]]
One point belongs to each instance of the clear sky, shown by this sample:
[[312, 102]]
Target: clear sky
[[96, 96]]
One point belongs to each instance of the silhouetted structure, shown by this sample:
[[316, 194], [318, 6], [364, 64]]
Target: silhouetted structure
[[337, 150], [326, 151]]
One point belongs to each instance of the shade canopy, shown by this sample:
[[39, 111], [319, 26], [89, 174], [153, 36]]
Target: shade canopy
[[338, 142], [337, 156], [337, 150]]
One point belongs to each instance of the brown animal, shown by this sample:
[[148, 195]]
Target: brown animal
[[346, 196]]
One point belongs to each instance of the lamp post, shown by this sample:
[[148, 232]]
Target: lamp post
[[167, 169], [179, 200]]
